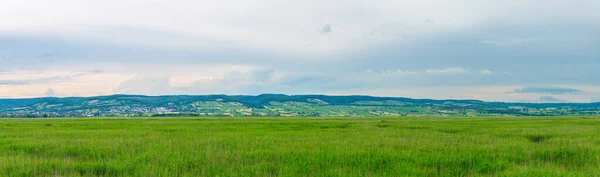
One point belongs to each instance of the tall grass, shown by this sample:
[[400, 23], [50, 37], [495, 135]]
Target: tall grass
[[535, 146]]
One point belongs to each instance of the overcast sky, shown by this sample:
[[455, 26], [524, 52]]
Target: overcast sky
[[500, 50]]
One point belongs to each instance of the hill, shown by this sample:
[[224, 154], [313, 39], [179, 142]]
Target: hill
[[277, 105]]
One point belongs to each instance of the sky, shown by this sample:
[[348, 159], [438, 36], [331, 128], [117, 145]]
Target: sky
[[497, 50]]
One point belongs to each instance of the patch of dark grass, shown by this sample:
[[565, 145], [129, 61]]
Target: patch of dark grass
[[567, 157], [48, 125], [99, 169], [383, 125], [537, 138], [29, 148], [299, 127], [465, 165], [451, 131], [505, 135], [415, 128], [269, 169], [590, 122], [341, 126], [166, 130]]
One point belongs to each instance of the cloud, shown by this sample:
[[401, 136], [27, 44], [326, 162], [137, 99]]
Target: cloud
[[391, 72], [550, 99], [548, 90], [250, 24], [486, 72], [148, 85], [14, 82], [446, 71], [50, 92], [43, 80], [96, 71], [505, 42], [326, 29], [255, 81], [234, 82], [310, 46]]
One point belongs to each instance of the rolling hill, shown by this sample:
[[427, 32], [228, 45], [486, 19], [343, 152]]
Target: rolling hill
[[277, 105]]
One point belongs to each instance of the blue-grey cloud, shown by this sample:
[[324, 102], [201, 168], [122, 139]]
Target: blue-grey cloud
[[550, 99], [14, 82], [136, 45], [546, 57], [43, 80], [548, 90], [39, 80]]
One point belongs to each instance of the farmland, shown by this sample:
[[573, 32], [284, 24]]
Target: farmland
[[399, 146], [278, 105]]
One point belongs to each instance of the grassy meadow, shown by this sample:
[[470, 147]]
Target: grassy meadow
[[516, 146]]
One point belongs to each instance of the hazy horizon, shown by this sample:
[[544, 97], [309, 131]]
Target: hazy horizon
[[509, 51]]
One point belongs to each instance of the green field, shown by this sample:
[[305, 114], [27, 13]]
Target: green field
[[535, 146]]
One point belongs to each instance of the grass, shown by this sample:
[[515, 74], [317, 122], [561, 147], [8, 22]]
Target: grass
[[533, 146]]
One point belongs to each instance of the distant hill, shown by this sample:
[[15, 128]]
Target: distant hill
[[277, 105]]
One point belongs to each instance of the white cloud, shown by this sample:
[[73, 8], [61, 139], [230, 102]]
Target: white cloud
[[505, 42], [146, 85], [217, 46], [240, 81], [291, 26], [446, 71], [50, 92], [392, 72], [271, 24]]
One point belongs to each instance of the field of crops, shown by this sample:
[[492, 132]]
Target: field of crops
[[516, 146]]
